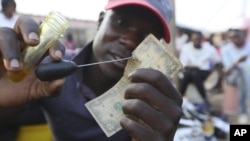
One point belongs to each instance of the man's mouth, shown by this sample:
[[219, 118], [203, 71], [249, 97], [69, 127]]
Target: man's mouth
[[121, 61]]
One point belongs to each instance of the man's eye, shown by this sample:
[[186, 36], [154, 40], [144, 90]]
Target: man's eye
[[121, 23]]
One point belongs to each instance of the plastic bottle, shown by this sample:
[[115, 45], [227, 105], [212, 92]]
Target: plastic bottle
[[51, 29], [208, 129]]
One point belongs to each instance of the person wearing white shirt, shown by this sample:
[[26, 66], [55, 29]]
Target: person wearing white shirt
[[197, 58], [236, 62], [8, 16]]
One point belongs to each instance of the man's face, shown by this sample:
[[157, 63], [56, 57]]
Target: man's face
[[120, 32], [197, 39], [239, 38], [10, 10]]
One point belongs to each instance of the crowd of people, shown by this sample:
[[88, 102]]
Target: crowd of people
[[227, 56]]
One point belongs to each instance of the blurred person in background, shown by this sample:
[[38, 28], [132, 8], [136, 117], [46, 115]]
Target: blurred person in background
[[180, 40], [217, 87], [70, 47], [70, 42], [196, 57], [236, 67], [246, 26], [8, 14]]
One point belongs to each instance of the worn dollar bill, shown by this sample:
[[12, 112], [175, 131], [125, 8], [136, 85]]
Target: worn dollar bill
[[107, 108]]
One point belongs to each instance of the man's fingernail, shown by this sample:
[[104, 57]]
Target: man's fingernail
[[58, 53], [130, 75], [33, 36], [14, 63]]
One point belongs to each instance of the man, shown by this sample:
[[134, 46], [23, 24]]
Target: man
[[8, 15], [196, 57], [70, 46], [236, 62], [150, 96]]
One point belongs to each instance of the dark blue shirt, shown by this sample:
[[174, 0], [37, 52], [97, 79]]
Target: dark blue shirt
[[67, 115]]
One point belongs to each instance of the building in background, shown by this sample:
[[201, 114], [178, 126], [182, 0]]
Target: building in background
[[82, 30]]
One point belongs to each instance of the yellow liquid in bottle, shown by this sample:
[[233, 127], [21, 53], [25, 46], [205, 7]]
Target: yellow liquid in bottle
[[17, 76]]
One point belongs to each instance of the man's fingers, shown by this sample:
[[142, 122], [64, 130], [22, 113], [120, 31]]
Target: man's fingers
[[137, 130], [157, 80], [46, 89], [25, 33], [150, 95], [27, 30], [152, 117], [57, 52], [54, 87], [9, 49]]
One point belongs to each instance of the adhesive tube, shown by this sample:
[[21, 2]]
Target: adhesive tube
[[51, 29]]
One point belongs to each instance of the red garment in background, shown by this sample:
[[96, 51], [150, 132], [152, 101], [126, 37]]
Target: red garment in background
[[70, 45]]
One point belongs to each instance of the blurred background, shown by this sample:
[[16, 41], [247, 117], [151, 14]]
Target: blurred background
[[207, 16]]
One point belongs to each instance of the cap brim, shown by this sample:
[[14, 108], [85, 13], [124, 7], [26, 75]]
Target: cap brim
[[143, 3]]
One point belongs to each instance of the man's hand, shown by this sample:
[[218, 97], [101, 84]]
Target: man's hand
[[12, 42], [154, 105]]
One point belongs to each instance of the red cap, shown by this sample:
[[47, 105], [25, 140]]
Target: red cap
[[161, 8]]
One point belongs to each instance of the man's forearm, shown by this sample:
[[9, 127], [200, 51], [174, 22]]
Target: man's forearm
[[229, 71]]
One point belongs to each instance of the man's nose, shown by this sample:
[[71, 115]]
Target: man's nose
[[129, 38]]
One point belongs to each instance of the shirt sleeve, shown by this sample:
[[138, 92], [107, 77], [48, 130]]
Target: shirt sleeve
[[216, 57], [226, 59], [184, 56]]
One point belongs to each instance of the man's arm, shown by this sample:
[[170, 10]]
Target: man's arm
[[235, 65]]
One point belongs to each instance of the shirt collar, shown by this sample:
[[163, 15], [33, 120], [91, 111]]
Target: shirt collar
[[82, 57]]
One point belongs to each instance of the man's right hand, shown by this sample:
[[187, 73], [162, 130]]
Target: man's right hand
[[12, 42]]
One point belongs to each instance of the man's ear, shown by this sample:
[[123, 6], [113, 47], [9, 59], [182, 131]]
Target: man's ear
[[100, 19]]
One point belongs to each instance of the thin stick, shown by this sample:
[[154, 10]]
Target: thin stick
[[110, 61]]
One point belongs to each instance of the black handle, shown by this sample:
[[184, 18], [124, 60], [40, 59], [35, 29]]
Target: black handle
[[55, 70]]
